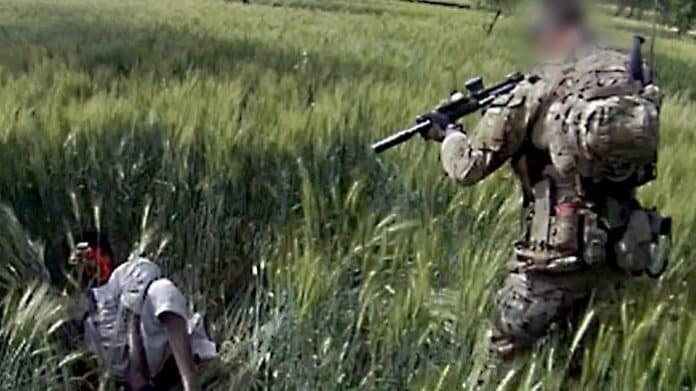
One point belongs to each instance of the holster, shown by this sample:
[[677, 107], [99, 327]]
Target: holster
[[645, 244], [595, 238]]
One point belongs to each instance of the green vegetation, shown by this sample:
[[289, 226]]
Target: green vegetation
[[230, 142], [678, 13]]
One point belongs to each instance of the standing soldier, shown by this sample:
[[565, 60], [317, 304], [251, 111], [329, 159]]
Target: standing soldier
[[581, 135]]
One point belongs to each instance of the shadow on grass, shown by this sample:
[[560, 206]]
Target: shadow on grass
[[211, 211], [221, 215]]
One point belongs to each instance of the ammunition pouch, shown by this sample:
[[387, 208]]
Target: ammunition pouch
[[595, 239], [645, 244], [539, 230], [551, 238], [562, 236]]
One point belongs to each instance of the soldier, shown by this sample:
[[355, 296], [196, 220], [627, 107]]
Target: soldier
[[137, 322], [581, 135]]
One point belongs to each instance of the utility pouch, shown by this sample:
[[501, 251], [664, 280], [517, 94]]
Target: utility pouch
[[644, 246], [595, 239], [539, 230], [564, 237], [633, 251], [662, 244]]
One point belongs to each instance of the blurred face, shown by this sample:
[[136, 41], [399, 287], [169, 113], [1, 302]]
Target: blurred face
[[558, 43]]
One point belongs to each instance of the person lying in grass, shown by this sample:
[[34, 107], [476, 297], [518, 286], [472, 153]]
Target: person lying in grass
[[136, 321]]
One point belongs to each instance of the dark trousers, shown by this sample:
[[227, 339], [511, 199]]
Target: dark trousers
[[167, 379]]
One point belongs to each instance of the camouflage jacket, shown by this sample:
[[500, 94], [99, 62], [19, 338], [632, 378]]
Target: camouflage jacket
[[579, 133], [532, 119]]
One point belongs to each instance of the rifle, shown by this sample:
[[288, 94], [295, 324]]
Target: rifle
[[458, 106]]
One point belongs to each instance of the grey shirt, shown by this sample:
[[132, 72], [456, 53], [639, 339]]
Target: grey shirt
[[106, 324]]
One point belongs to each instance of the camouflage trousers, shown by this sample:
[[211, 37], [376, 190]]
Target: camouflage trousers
[[531, 302]]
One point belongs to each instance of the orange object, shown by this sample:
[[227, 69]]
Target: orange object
[[99, 265], [104, 265]]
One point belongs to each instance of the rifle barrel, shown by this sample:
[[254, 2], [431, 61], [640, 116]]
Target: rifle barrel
[[400, 137]]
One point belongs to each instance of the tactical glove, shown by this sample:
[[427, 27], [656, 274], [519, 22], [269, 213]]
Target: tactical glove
[[439, 123], [441, 127]]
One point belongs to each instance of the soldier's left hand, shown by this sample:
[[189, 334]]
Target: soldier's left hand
[[438, 132], [439, 124]]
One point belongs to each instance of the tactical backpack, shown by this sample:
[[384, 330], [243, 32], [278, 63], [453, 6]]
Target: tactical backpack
[[606, 124], [603, 130]]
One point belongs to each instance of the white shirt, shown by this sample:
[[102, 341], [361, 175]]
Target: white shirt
[[106, 326], [163, 296]]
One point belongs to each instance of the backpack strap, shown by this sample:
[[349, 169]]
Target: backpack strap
[[539, 230]]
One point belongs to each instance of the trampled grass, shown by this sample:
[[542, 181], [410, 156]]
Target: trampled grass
[[232, 143]]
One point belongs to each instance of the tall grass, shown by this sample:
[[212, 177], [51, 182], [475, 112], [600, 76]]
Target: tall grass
[[31, 316], [231, 142]]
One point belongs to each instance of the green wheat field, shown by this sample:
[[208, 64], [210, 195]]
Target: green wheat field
[[230, 143]]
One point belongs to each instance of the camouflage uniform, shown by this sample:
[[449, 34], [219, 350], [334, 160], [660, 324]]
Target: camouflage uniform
[[581, 136]]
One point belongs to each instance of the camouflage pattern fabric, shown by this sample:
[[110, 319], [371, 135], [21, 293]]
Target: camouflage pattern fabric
[[529, 303], [579, 121], [498, 136], [600, 123]]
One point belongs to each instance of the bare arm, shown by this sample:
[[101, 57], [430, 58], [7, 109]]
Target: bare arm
[[138, 372], [180, 345]]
